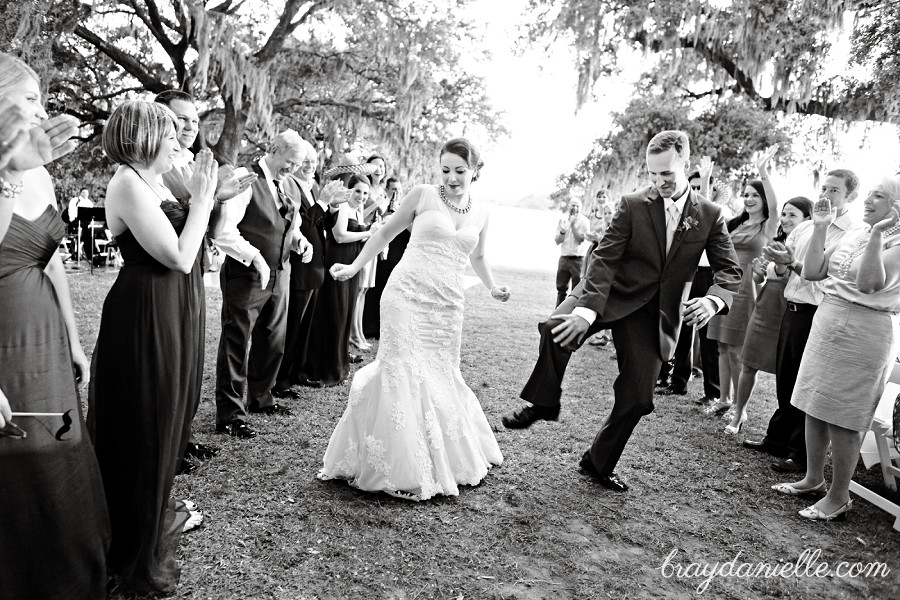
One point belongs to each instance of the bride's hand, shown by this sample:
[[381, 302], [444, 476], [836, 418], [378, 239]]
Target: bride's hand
[[342, 272], [500, 292]]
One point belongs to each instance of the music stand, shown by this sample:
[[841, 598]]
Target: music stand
[[88, 215]]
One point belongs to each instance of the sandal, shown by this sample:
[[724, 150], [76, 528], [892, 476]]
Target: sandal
[[193, 521]]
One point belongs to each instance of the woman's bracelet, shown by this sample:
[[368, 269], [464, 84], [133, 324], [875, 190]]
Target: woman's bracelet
[[10, 190]]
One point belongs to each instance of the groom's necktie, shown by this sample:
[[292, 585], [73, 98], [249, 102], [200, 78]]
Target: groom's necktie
[[672, 218]]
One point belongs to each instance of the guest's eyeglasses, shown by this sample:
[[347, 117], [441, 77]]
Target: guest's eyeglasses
[[696, 188]]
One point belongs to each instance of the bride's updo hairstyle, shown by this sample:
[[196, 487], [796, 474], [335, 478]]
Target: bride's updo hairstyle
[[134, 132], [464, 149]]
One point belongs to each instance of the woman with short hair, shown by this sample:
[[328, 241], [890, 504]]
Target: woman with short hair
[[148, 361]]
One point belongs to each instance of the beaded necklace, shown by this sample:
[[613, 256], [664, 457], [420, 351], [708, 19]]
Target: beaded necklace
[[461, 211], [859, 249]]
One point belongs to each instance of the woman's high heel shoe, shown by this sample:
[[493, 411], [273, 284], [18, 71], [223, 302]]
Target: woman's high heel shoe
[[814, 514], [732, 430]]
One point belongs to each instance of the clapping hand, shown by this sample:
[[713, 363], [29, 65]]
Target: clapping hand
[[334, 194], [886, 223], [758, 266], [500, 292], [46, 142], [202, 184], [13, 134], [230, 185], [765, 156], [778, 253], [342, 272], [706, 168], [823, 214]]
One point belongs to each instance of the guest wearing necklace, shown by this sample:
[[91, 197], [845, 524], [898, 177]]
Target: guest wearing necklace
[[851, 347]]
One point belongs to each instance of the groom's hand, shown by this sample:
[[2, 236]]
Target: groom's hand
[[570, 332], [698, 311]]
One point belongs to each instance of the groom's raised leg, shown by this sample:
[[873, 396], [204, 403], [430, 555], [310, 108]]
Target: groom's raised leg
[[544, 387], [639, 362]]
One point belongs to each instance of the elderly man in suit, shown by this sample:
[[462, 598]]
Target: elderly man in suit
[[306, 278], [262, 228], [637, 285]]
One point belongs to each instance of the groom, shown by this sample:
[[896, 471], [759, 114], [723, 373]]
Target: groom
[[637, 285]]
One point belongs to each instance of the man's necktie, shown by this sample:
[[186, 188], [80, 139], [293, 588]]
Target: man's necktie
[[672, 217], [284, 202]]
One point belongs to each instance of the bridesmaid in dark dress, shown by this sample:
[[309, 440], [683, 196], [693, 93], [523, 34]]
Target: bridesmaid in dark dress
[[54, 529], [148, 361], [386, 265], [328, 359]]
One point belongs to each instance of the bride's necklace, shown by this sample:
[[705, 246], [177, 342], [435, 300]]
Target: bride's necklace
[[461, 211], [859, 249]]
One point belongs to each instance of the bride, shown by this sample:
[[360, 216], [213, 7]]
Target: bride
[[412, 427]]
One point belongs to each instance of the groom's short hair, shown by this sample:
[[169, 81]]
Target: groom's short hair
[[671, 138]]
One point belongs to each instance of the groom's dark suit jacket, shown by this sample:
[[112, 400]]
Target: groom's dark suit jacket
[[630, 265]]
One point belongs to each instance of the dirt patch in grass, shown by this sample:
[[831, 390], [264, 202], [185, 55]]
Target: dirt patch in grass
[[535, 528]]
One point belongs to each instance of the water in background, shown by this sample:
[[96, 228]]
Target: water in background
[[522, 238]]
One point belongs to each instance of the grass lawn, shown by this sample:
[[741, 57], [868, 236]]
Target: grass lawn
[[536, 527]]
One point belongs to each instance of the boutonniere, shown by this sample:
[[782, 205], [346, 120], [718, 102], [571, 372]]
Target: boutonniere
[[687, 224]]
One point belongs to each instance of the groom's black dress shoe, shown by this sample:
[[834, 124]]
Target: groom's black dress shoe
[[611, 481], [525, 416]]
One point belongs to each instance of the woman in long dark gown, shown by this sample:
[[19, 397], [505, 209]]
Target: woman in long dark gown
[[328, 357], [54, 530], [148, 361]]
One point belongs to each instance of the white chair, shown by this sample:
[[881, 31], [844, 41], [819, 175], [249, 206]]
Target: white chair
[[878, 448]]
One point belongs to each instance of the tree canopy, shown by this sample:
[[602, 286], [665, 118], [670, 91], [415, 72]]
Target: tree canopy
[[729, 131], [742, 47], [380, 74]]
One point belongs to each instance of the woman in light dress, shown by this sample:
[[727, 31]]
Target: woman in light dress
[[851, 347], [412, 427]]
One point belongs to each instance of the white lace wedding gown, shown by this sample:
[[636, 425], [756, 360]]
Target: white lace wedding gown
[[412, 427]]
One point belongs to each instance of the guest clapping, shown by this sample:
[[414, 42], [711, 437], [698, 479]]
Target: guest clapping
[[852, 345], [148, 361], [54, 531], [334, 317], [750, 231], [571, 237], [765, 322]]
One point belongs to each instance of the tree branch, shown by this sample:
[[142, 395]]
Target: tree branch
[[848, 107], [286, 26], [130, 64]]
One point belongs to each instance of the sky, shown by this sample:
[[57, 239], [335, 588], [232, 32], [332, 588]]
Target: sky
[[537, 92]]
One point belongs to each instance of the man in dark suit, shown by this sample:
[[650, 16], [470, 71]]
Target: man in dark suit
[[262, 228], [637, 285], [306, 278]]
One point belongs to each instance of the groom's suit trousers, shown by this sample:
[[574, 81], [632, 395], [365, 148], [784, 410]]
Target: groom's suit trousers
[[637, 352]]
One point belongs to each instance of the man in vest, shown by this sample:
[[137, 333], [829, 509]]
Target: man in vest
[[262, 228]]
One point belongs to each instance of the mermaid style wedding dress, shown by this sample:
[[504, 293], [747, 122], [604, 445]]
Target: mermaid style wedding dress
[[412, 427]]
